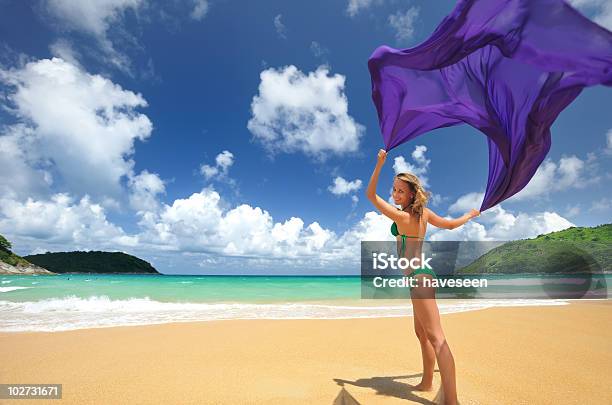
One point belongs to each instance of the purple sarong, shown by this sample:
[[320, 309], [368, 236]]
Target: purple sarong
[[505, 67]]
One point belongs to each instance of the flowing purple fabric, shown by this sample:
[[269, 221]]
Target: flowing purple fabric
[[505, 67]]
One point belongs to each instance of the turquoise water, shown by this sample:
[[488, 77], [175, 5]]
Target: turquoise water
[[77, 301], [165, 288]]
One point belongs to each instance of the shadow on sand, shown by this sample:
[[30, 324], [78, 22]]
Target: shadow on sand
[[387, 386]]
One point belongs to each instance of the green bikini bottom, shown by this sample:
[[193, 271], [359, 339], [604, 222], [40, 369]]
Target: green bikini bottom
[[423, 270]]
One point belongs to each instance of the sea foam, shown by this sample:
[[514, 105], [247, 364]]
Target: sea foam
[[72, 312]]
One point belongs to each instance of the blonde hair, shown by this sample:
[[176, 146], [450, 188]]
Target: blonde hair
[[419, 201]]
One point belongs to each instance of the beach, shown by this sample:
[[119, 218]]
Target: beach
[[506, 355]]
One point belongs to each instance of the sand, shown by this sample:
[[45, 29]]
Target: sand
[[514, 355]]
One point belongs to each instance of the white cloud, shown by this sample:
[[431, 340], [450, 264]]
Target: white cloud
[[471, 231], [63, 49], [599, 10], [419, 169], [347, 247], [466, 202], [80, 127], [608, 149], [201, 224], [60, 219], [19, 176], [38, 251], [280, 27], [400, 165], [404, 24], [497, 223], [419, 155], [436, 199], [342, 187], [223, 162], [209, 171], [355, 6], [200, 8], [572, 211], [306, 113], [144, 189], [570, 172], [95, 18], [317, 50], [601, 205]]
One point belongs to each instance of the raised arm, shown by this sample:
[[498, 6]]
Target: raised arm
[[440, 222], [384, 207]]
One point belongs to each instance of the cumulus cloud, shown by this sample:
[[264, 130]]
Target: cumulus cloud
[[19, 175], [436, 199], [601, 205], [608, 149], [95, 18], [76, 127], [223, 162], [61, 219], [466, 202], [144, 189], [200, 8], [203, 225], [570, 172], [354, 7], [599, 10], [297, 112], [499, 224], [572, 211], [372, 227], [342, 186], [404, 24], [318, 50], [200, 223], [280, 27], [63, 49], [419, 168]]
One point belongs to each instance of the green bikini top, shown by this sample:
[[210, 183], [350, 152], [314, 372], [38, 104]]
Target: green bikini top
[[395, 232]]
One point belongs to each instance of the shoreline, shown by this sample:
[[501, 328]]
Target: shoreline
[[100, 312], [503, 355]]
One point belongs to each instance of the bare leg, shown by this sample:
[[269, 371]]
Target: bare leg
[[428, 355], [425, 307]]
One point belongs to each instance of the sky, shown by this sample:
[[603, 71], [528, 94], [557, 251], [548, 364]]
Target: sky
[[238, 137]]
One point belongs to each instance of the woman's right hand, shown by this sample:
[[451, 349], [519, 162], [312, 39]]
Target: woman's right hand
[[473, 213], [382, 156]]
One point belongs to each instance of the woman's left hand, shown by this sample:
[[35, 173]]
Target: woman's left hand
[[382, 156], [473, 213]]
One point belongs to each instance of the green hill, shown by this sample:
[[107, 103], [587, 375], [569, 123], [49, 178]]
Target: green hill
[[601, 233], [92, 262], [573, 250], [9, 257], [10, 263]]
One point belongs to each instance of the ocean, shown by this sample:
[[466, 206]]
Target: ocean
[[79, 301]]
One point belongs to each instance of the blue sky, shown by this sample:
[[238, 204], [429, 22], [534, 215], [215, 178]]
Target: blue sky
[[207, 136]]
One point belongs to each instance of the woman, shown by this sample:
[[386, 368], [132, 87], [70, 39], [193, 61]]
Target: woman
[[410, 225]]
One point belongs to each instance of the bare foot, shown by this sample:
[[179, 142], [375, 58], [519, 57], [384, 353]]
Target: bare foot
[[423, 387]]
